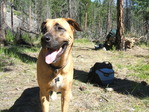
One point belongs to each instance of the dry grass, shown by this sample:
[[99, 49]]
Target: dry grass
[[128, 95]]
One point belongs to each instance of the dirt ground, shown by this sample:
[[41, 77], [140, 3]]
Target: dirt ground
[[19, 91]]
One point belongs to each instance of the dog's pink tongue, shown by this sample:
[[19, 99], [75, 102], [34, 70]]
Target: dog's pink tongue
[[51, 56]]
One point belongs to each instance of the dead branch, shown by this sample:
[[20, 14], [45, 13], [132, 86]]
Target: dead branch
[[36, 33]]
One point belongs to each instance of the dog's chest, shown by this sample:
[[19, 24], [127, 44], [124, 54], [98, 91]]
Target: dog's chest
[[57, 83]]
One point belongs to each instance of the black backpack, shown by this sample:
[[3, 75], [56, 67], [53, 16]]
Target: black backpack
[[101, 73]]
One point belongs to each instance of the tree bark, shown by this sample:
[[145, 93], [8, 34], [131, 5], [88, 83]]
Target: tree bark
[[86, 18], [120, 26], [69, 9], [99, 29], [72, 8], [3, 22], [48, 9], [85, 25], [128, 16], [12, 6], [30, 16], [109, 17]]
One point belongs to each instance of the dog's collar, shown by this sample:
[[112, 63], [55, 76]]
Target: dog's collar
[[55, 67]]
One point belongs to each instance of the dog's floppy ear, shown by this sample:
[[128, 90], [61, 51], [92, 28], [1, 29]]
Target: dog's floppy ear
[[73, 23], [43, 27]]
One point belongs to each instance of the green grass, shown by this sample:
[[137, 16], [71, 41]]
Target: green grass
[[120, 66], [82, 40], [139, 106], [19, 53], [26, 37], [146, 102], [17, 13], [143, 44], [2, 64], [10, 37], [141, 71], [5, 61], [3, 110]]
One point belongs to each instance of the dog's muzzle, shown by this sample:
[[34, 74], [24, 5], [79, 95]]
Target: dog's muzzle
[[54, 48]]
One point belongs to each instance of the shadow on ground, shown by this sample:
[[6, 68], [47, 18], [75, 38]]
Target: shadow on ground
[[17, 52], [27, 102], [4, 111], [122, 86]]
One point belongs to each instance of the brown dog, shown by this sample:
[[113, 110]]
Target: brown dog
[[54, 65]]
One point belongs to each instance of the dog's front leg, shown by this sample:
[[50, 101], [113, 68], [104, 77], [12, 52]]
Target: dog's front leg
[[44, 97], [65, 99]]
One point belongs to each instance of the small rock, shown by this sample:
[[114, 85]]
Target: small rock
[[82, 88], [109, 89]]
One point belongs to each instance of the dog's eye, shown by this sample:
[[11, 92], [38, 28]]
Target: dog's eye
[[59, 28]]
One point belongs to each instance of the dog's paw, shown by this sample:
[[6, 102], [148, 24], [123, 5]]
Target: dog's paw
[[54, 96]]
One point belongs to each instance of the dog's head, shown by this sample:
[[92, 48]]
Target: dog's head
[[57, 36]]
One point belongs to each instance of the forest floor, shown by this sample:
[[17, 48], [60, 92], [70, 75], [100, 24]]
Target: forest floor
[[129, 92]]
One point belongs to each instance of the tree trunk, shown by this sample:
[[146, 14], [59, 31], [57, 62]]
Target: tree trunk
[[40, 15], [72, 8], [98, 28], [120, 26], [109, 17], [48, 9], [30, 19], [85, 25], [69, 9], [3, 22], [12, 6], [128, 16], [30, 16], [86, 18], [146, 23]]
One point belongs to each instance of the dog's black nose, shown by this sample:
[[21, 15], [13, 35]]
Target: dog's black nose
[[47, 38]]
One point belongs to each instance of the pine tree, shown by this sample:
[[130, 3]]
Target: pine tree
[[3, 22], [120, 26]]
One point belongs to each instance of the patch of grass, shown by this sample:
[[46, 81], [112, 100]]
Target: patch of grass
[[19, 53], [9, 36], [3, 75], [120, 66], [17, 13], [3, 110], [113, 48], [33, 49], [140, 75], [146, 102], [82, 40], [143, 44], [4, 61], [141, 106], [122, 55], [26, 37], [2, 64], [140, 71], [1, 50], [31, 39]]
